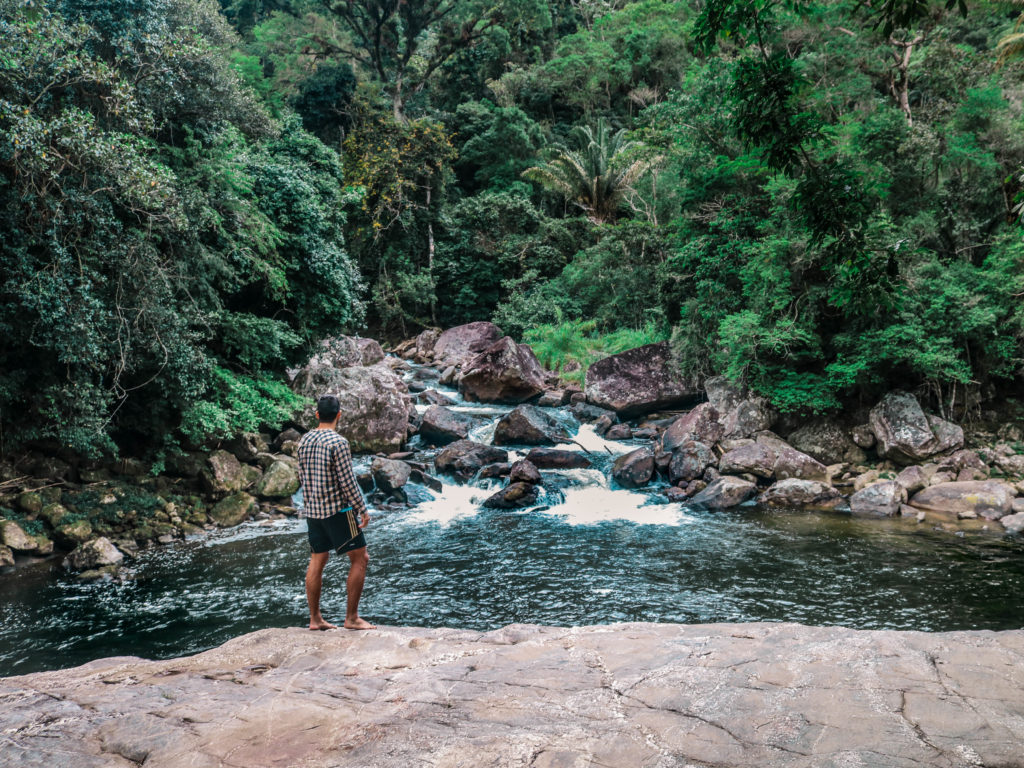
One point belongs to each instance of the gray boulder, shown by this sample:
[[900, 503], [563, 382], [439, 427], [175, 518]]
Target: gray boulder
[[280, 481], [794, 492], [724, 492], [13, 536], [513, 496], [1013, 523], [390, 474], [639, 381], [529, 425], [690, 461], [370, 352], [700, 425], [433, 397], [989, 499], [882, 499], [505, 372], [913, 478], [740, 414], [827, 442], [755, 459], [553, 458], [464, 458], [97, 553], [634, 469], [223, 474], [523, 471], [233, 510], [458, 345], [441, 426], [906, 435]]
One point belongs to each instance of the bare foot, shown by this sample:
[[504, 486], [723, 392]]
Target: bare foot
[[321, 625], [358, 623]]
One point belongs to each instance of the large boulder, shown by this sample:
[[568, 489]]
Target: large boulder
[[7, 556], [390, 474], [505, 372], [524, 471], [529, 425], [827, 442], [639, 381], [375, 405], [13, 536], [233, 510], [553, 458], [755, 459], [975, 498], [794, 492], [690, 461], [700, 425], [98, 553], [513, 496], [222, 474], [70, 535], [724, 492], [458, 345], [634, 469], [906, 435], [423, 347], [464, 458], [280, 481], [440, 426], [370, 351], [882, 499], [1013, 523], [740, 414], [789, 462]]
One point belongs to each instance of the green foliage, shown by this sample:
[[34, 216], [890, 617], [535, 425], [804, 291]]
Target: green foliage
[[237, 404], [569, 347]]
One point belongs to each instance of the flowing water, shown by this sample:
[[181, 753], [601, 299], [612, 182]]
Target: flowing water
[[588, 554]]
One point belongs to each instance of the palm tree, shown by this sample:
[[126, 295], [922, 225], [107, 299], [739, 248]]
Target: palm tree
[[594, 175]]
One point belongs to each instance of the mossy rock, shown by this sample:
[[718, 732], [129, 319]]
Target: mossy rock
[[197, 517], [54, 514], [14, 536], [71, 534], [43, 544], [6, 556], [280, 481], [30, 502], [233, 510]]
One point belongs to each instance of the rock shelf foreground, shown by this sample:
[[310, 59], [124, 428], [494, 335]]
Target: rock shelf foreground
[[622, 695]]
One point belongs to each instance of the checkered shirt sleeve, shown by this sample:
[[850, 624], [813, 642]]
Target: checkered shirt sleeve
[[325, 471]]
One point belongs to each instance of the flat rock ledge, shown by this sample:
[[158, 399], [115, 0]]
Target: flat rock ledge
[[620, 695]]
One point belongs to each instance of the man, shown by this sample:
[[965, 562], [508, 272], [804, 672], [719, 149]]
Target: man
[[331, 500]]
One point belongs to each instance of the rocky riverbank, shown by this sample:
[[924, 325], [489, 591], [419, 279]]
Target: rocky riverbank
[[622, 695]]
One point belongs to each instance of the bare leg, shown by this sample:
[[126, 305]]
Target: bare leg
[[314, 583], [356, 576]]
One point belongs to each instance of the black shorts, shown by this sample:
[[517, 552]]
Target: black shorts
[[338, 532]]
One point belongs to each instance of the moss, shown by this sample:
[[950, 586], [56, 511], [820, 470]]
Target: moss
[[31, 526]]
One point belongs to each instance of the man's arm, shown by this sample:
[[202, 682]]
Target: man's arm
[[347, 480]]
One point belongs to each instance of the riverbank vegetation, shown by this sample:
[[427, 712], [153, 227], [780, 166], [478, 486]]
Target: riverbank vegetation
[[819, 199]]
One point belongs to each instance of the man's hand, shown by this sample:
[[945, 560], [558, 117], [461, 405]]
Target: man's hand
[[363, 520]]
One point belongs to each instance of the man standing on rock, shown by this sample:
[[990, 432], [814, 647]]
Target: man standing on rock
[[331, 500]]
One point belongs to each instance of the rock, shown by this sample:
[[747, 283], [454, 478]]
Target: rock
[[51, 468], [1013, 465], [464, 458], [912, 478], [505, 372], [433, 397], [529, 425], [52, 514], [458, 345], [794, 492], [70, 535], [1013, 523], [13, 535], [753, 458], [724, 492], [513, 496], [619, 432], [251, 476], [938, 478], [420, 477], [591, 414], [604, 425], [690, 461], [246, 447], [967, 465], [501, 469], [553, 398], [700, 425], [30, 502], [280, 481], [7, 556], [827, 442], [188, 464], [441, 426], [865, 479], [986, 498], [638, 381], [906, 435], [1017, 506], [553, 458], [523, 471], [233, 510], [882, 499], [370, 352], [223, 474], [740, 414], [289, 435], [390, 475], [423, 347], [375, 405], [675, 495], [862, 436], [789, 462], [634, 469], [449, 376], [97, 553]]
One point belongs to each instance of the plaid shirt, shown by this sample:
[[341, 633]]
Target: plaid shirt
[[325, 470]]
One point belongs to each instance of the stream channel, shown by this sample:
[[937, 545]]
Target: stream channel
[[589, 553]]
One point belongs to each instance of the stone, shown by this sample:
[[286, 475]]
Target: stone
[[906, 435], [986, 498], [523, 471], [13, 535], [247, 446], [529, 425], [458, 345], [862, 436], [251, 476], [912, 478], [690, 461], [223, 474], [754, 458], [675, 495], [433, 397], [604, 425], [513, 496], [1017, 506], [233, 510], [882, 499], [52, 514], [634, 469], [789, 462], [501, 469], [420, 477], [70, 535], [30, 502], [370, 352], [938, 478], [864, 479], [7, 556], [740, 414], [464, 458], [188, 464], [700, 425], [280, 481], [591, 414], [51, 468], [93, 554], [1012, 465], [390, 475], [505, 372], [619, 432], [794, 492], [289, 435], [725, 492], [827, 442], [553, 458], [449, 376], [553, 398], [441, 426], [639, 381], [1013, 523], [423, 346]]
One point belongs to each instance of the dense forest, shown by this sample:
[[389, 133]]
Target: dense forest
[[818, 198]]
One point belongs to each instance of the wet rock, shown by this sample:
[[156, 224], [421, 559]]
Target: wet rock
[[725, 492], [390, 475], [464, 458], [754, 458], [740, 414], [223, 474], [7, 555], [501, 469], [233, 510], [619, 432], [553, 458], [827, 442], [690, 461], [700, 425], [675, 494], [882, 499], [505, 372], [97, 553], [591, 414], [30, 502], [449, 376], [639, 381], [13, 535], [70, 535], [1013, 523], [634, 469], [441, 426], [985, 498], [794, 492], [529, 425], [433, 397], [913, 479], [906, 435], [603, 425], [523, 471], [280, 481], [365, 480], [458, 345], [513, 496]]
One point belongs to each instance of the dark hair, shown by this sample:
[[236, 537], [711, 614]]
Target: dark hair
[[327, 407]]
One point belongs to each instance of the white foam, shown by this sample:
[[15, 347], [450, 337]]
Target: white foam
[[454, 502], [588, 506], [589, 441]]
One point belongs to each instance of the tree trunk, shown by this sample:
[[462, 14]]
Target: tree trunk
[[430, 260], [899, 80]]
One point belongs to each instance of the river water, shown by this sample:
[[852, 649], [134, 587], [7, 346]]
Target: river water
[[589, 554]]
